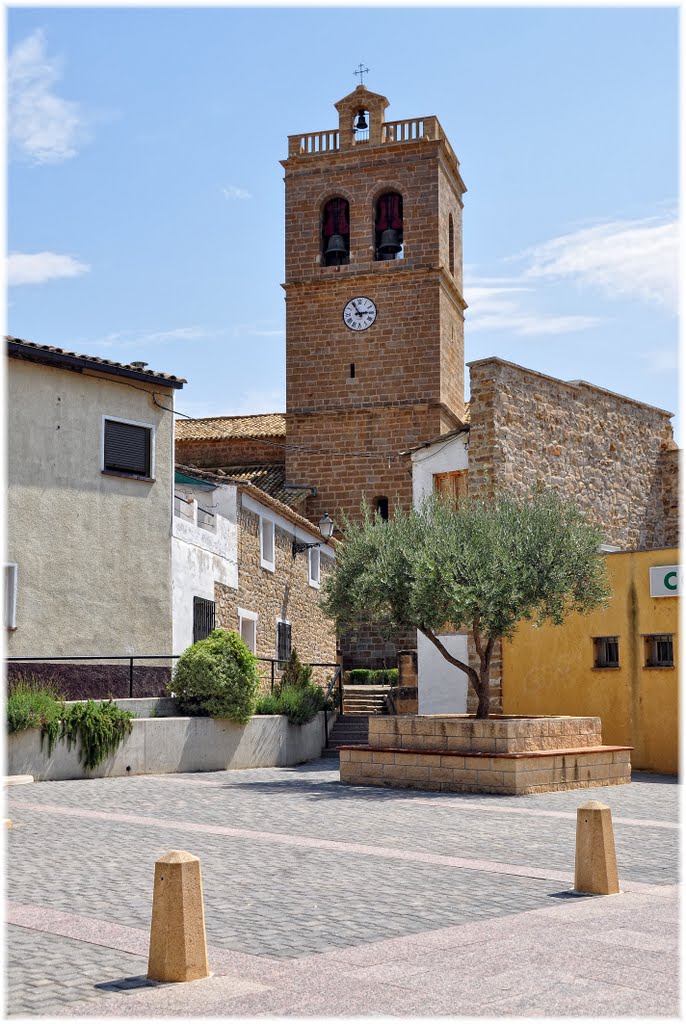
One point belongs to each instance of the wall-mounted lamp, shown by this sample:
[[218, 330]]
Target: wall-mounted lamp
[[326, 530]]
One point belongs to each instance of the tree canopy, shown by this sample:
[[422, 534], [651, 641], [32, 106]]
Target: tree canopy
[[479, 565]]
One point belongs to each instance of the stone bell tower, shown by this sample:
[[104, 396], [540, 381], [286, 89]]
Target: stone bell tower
[[374, 306]]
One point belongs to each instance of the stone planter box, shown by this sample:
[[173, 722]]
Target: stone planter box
[[503, 754], [157, 746]]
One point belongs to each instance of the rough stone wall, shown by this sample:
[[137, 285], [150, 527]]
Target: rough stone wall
[[367, 647], [283, 594], [232, 451], [669, 466], [602, 450]]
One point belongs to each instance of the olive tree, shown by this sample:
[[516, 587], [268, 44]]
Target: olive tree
[[480, 566]]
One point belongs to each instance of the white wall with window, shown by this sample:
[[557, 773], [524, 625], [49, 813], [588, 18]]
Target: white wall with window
[[442, 688], [92, 544], [202, 554]]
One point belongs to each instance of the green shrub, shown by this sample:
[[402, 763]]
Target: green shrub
[[299, 703], [216, 677], [32, 702], [374, 676], [295, 673], [98, 726]]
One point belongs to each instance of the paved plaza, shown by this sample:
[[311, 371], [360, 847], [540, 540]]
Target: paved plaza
[[331, 900]]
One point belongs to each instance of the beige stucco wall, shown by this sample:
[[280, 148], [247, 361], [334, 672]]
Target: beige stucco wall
[[93, 550]]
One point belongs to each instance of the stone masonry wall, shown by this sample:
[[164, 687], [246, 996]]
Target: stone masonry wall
[[231, 451], [602, 450], [283, 594]]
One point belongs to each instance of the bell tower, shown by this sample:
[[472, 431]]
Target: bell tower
[[374, 306]]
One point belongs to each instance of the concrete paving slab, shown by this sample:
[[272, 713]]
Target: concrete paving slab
[[465, 909]]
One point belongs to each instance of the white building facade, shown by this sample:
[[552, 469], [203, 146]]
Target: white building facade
[[441, 465]]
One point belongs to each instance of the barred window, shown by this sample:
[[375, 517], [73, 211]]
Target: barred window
[[283, 641], [606, 651], [659, 650], [203, 618]]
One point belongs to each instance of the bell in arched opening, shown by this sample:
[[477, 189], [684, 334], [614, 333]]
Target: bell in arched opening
[[388, 226], [335, 233]]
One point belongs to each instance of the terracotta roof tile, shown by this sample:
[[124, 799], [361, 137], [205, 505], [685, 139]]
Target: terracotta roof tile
[[268, 478], [18, 347], [215, 428]]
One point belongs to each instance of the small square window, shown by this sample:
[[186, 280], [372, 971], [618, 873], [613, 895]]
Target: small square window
[[267, 544], [659, 650], [606, 651], [127, 448], [314, 567]]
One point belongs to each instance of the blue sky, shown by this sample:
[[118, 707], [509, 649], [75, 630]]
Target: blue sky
[[145, 214]]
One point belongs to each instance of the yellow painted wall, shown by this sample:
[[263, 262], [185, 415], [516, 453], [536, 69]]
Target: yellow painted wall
[[550, 670]]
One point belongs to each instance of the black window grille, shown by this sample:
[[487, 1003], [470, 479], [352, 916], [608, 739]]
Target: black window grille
[[128, 448], [203, 618], [659, 650], [606, 651], [283, 641]]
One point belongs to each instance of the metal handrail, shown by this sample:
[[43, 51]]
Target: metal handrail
[[337, 676], [131, 658]]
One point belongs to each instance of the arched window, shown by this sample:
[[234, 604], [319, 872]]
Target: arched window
[[451, 244], [336, 232], [381, 506], [388, 227]]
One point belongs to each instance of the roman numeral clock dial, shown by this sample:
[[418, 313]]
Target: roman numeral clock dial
[[359, 314]]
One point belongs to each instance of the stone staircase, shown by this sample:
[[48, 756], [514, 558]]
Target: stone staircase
[[352, 727], [365, 700]]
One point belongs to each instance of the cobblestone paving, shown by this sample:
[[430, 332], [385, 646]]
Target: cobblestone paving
[[46, 970], [269, 899]]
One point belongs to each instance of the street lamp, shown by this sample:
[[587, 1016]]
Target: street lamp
[[326, 530]]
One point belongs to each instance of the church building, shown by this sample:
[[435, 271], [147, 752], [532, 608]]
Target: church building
[[375, 360]]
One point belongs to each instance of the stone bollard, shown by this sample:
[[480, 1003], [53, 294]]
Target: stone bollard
[[595, 868], [178, 950]]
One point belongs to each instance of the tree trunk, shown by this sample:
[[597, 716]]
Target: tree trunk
[[484, 688]]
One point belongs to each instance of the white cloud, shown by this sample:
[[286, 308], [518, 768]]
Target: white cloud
[[38, 267], [131, 338], [502, 304], [234, 192], [42, 126], [636, 258]]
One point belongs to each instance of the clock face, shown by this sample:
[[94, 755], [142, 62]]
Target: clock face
[[359, 314]]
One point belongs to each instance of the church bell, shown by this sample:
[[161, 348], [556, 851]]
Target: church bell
[[390, 244], [336, 249], [361, 123]]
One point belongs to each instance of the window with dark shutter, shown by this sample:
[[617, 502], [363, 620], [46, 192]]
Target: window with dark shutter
[[127, 448], [203, 618], [283, 641]]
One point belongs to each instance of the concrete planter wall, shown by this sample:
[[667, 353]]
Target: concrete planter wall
[[158, 746]]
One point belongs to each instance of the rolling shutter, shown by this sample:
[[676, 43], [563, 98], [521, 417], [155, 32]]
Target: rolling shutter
[[127, 448]]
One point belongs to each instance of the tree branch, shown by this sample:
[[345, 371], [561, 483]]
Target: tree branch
[[471, 673]]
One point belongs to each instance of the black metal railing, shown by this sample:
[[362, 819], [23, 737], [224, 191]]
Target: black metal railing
[[337, 678], [276, 664]]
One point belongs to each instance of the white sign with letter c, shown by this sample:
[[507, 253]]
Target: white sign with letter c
[[665, 581]]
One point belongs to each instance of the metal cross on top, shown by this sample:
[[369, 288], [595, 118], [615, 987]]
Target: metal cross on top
[[361, 70]]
